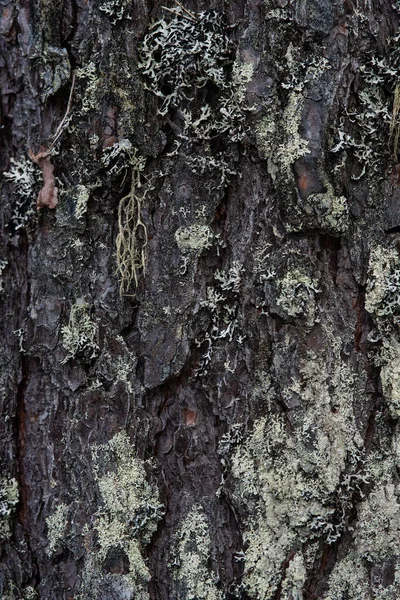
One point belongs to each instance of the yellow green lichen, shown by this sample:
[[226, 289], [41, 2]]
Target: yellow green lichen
[[193, 575], [56, 525], [9, 496], [130, 506], [290, 481]]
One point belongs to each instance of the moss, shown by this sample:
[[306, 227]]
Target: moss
[[9, 496], [192, 574]]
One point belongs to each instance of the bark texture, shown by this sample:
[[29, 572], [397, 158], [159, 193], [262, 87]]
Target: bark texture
[[199, 300]]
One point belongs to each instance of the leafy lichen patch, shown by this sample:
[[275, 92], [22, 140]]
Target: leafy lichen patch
[[291, 483], [9, 496], [79, 337], [130, 506], [194, 579], [56, 526]]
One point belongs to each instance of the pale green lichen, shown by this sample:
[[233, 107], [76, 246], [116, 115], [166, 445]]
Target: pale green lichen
[[79, 337], [332, 210], [9, 496], [293, 146], [194, 579], [292, 483], [296, 294], [194, 238], [370, 570], [82, 198], [383, 286], [56, 525], [130, 506], [295, 576], [390, 373]]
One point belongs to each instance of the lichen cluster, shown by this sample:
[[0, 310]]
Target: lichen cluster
[[9, 496], [296, 485], [79, 337]]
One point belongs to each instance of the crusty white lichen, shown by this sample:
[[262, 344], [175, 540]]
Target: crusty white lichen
[[195, 580]]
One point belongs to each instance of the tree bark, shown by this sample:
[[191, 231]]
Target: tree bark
[[199, 299]]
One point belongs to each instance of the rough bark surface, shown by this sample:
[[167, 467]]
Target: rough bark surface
[[199, 300]]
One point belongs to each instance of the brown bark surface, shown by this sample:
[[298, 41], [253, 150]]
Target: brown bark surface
[[199, 300]]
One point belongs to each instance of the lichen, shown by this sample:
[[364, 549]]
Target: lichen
[[9, 496], [79, 337], [296, 294], [194, 579], [24, 176], [293, 145], [82, 197], [383, 286], [194, 238], [56, 526], [291, 482], [130, 507], [370, 569], [332, 211]]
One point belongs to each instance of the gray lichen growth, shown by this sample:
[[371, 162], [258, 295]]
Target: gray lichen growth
[[291, 483], [79, 337], [296, 294], [56, 525], [24, 175], [9, 496], [193, 577], [130, 507]]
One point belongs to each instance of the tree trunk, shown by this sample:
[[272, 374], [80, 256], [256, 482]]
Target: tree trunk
[[200, 300]]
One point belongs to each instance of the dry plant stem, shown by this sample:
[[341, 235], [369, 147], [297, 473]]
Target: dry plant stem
[[395, 125]]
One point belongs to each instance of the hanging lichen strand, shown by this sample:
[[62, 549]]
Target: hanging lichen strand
[[131, 240]]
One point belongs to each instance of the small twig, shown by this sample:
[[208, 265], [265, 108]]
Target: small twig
[[61, 125], [179, 14], [186, 10]]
